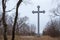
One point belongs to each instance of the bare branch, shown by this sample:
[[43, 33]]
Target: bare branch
[[11, 10]]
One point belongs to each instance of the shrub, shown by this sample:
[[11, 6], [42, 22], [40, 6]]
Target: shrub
[[51, 30]]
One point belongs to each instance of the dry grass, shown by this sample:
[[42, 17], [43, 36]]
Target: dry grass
[[31, 38]]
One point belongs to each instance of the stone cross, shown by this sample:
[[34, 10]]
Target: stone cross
[[38, 17]]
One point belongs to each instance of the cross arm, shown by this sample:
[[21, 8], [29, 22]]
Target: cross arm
[[38, 11], [42, 11], [34, 12]]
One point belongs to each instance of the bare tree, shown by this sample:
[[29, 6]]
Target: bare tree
[[51, 29], [15, 20], [3, 19], [56, 13], [20, 22], [26, 29]]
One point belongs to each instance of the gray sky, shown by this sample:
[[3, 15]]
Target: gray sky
[[27, 6]]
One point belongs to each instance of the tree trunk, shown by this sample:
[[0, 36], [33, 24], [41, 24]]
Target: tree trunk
[[3, 20], [15, 20]]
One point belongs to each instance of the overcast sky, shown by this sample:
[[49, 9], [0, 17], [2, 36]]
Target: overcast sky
[[27, 6]]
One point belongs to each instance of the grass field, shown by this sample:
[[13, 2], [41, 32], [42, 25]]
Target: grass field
[[31, 38]]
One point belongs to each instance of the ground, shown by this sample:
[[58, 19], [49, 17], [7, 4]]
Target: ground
[[31, 38]]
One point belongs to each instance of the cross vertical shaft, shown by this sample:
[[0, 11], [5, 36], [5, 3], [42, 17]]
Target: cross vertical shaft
[[38, 18]]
